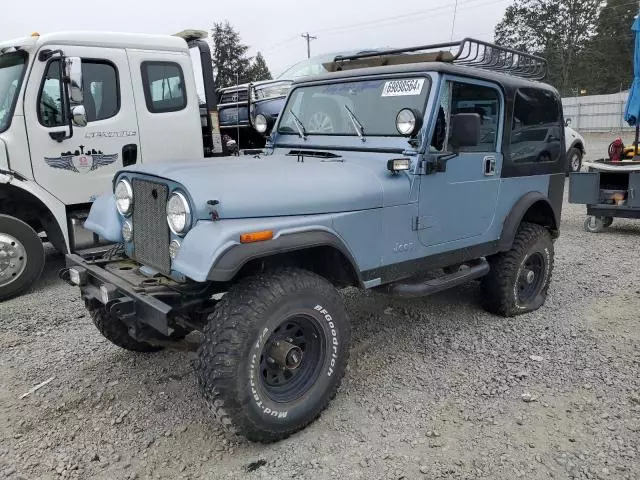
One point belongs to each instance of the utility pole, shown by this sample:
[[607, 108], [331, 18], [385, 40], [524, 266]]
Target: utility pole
[[308, 38], [453, 24]]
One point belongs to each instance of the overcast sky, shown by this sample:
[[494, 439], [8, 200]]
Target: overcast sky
[[270, 26]]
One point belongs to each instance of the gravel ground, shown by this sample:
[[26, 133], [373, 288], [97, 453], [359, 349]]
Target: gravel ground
[[436, 388]]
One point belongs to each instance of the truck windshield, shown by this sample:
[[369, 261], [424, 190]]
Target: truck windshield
[[11, 72], [330, 109]]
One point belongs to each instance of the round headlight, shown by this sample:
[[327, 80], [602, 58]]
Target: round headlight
[[178, 213], [406, 122], [124, 197], [260, 123], [127, 231]]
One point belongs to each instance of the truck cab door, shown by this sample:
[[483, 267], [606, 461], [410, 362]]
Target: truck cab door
[[458, 202], [79, 168]]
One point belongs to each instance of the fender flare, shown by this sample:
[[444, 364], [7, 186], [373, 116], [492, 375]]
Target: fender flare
[[230, 262], [48, 202], [576, 142], [517, 213]]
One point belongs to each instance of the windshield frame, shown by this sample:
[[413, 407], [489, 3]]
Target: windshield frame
[[429, 83], [14, 101]]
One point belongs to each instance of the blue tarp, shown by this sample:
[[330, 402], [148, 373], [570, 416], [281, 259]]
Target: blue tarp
[[632, 112]]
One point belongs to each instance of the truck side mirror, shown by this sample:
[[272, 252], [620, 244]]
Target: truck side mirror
[[465, 130], [79, 116], [567, 123], [73, 74]]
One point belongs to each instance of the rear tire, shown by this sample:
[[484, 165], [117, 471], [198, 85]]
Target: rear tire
[[519, 278], [249, 391], [117, 332], [574, 160], [21, 257]]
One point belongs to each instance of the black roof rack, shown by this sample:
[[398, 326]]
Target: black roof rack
[[470, 53]]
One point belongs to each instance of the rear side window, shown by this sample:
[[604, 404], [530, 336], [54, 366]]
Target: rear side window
[[536, 130], [164, 89], [100, 88]]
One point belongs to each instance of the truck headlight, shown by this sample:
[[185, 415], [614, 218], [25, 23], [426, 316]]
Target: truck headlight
[[178, 213], [124, 197], [260, 123]]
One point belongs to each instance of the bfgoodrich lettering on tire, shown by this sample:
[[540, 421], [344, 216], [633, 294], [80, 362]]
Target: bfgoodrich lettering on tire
[[275, 351], [519, 278]]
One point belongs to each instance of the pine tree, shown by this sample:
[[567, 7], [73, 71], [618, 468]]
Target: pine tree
[[230, 64], [259, 70], [559, 30]]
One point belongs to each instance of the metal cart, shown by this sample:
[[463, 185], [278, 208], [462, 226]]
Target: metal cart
[[609, 190]]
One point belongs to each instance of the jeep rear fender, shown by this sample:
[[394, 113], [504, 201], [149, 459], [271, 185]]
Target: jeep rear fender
[[533, 207]]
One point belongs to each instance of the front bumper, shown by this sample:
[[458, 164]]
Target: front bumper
[[129, 299]]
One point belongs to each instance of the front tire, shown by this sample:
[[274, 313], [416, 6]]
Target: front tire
[[117, 332], [519, 278], [274, 354], [21, 257]]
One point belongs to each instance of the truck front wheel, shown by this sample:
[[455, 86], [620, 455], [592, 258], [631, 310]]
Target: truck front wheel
[[21, 257], [274, 353]]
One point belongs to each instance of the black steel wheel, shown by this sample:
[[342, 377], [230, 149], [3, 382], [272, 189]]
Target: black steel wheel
[[530, 277], [291, 358], [274, 353], [519, 278]]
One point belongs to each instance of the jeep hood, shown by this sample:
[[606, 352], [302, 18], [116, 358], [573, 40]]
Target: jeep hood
[[272, 185]]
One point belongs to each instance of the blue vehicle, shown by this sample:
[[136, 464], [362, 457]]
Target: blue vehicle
[[416, 177], [248, 111]]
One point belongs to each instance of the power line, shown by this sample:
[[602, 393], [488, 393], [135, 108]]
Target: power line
[[308, 38]]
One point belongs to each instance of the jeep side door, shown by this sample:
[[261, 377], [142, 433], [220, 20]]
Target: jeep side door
[[77, 169], [459, 202]]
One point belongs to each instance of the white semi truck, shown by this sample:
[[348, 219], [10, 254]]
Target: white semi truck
[[75, 107]]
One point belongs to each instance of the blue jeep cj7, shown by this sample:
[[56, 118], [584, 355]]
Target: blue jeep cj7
[[443, 165]]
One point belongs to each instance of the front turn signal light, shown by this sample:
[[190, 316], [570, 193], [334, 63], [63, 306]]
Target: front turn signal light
[[256, 236]]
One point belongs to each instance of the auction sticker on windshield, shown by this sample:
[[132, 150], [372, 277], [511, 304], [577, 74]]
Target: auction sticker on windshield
[[398, 88]]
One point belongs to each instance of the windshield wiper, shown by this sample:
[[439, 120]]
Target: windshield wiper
[[299, 125], [356, 124]]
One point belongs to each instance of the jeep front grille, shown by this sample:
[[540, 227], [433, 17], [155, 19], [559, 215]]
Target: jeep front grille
[[150, 228]]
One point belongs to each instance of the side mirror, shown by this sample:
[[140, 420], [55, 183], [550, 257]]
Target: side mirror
[[73, 74], [79, 116], [465, 130], [567, 123]]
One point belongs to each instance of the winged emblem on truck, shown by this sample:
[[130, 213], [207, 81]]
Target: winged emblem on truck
[[81, 161]]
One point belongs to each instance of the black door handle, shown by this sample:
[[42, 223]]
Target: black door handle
[[129, 154]]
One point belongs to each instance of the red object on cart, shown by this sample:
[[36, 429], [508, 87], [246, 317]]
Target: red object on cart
[[616, 150]]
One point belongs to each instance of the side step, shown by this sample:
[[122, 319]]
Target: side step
[[422, 288]]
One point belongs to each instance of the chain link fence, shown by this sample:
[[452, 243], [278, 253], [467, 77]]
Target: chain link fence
[[597, 113]]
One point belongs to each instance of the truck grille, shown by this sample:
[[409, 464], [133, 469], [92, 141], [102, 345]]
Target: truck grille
[[234, 97], [150, 229]]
